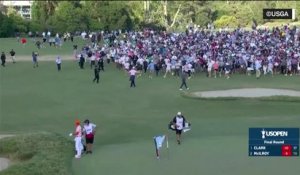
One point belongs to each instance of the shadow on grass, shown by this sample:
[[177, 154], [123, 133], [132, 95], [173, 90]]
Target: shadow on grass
[[278, 98], [40, 153]]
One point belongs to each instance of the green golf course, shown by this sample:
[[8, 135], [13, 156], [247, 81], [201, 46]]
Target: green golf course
[[42, 100]]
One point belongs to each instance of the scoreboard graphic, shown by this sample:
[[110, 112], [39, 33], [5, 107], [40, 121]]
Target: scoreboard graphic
[[274, 142]]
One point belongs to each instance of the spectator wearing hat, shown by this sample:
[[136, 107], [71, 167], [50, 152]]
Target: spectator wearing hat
[[89, 132]]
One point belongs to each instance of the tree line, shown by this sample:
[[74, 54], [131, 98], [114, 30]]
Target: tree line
[[71, 16]]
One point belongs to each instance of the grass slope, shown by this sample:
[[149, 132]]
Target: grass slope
[[39, 153], [43, 99]]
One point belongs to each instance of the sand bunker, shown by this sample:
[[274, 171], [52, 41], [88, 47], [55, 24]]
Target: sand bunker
[[4, 163], [5, 135], [247, 92]]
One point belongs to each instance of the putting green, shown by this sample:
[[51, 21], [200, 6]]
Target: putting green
[[204, 155]]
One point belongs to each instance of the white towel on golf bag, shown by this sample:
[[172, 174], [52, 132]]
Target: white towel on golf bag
[[186, 128]]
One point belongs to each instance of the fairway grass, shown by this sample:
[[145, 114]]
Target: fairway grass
[[42, 99]]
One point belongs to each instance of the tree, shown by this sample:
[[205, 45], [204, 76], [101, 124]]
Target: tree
[[3, 8], [67, 18], [7, 27], [226, 21], [42, 12]]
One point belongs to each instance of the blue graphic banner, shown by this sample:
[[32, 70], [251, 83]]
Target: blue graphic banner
[[274, 142]]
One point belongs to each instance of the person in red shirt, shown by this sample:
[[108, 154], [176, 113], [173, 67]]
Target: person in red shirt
[[23, 41], [216, 68]]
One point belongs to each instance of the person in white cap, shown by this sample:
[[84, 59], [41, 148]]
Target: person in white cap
[[179, 123]]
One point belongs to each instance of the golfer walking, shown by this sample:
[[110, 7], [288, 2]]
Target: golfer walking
[[89, 131], [179, 123]]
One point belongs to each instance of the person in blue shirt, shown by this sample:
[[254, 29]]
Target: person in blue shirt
[[151, 69]]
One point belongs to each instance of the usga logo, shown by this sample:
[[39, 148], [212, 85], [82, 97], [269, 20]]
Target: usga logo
[[265, 133]]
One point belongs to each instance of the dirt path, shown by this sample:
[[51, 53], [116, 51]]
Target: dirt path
[[248, 92], [42, 58], [4, 162]]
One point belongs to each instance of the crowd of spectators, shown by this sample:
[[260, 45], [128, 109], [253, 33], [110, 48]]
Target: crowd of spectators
[[273, 51]]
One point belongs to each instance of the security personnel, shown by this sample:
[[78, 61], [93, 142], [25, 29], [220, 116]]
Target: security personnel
[[81, 61], [3, 58], [101, 64], [96, 73]]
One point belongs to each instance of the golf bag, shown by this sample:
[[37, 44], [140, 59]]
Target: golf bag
[[171, 125]]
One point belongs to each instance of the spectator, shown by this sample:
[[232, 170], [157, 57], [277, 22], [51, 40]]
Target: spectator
[[13, 55], [3, 59], [58, 63]]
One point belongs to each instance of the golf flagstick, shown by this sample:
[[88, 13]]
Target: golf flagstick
[[156, 149], [167, 145]]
